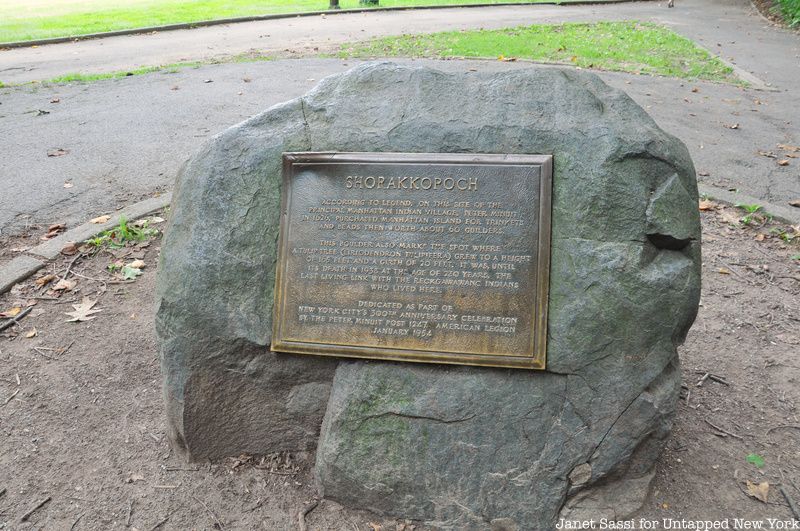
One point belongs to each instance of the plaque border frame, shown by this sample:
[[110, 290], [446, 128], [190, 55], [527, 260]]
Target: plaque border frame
[[538, 353]]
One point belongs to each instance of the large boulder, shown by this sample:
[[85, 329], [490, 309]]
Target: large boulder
[[459, 447], [225, 393]]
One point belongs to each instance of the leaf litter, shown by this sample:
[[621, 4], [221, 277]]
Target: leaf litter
[[99, 220], [83, 311], [759, 491], [11, 312]]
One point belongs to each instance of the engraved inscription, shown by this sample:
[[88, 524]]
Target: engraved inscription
[[419, 257]]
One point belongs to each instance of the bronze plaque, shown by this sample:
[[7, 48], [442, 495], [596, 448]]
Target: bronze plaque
[[426, 257]]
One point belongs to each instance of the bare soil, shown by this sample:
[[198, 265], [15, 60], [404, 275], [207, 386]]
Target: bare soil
[[82, 426]]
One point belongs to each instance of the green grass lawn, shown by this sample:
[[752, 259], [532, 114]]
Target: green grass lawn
[[626, 46], [23, 20]]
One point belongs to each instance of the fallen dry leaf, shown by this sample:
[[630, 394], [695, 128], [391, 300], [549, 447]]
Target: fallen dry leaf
[[69, 249], [57, 152], [703, 173], [68, 185], [783, 162], [64, 285], [56, 227], [724, 271], [45, 280], [706, 204], [759, 492], [133, 478], [795, 203], [11, 312], [156, 219], [100, 219], [83, 311], [137, 264], [31, 334], [732, 126], [55, 100], [769, 154], [787, 147], [759, 237]]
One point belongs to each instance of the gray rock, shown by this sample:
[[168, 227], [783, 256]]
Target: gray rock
[[225, 393], [580, 475], [614, 500], [466, 448], [458, 447]]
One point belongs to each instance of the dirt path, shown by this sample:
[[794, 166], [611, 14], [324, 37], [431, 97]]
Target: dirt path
[[82, 422]]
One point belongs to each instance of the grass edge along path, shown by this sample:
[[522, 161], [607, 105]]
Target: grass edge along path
[[171, 68], [79, 77], [40, 21], [790, 9], [624, 46], [587, 41]]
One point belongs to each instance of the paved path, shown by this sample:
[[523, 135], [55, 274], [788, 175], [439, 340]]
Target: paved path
[[731, 28], [127, 137]]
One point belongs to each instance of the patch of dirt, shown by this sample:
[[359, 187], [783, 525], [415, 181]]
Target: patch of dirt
[[747, 333], [82, 425]]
